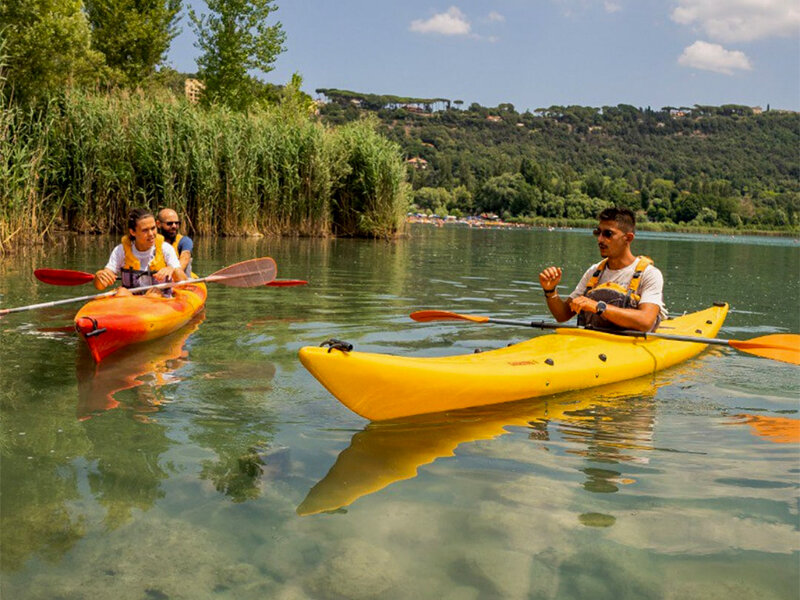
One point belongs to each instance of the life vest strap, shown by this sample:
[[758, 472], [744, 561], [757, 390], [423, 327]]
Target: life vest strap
[[633, 286]]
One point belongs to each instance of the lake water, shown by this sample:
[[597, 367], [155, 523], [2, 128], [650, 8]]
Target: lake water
[[187, 467]]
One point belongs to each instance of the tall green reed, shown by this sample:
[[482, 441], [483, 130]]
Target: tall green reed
[[87, 159], [27, 207]]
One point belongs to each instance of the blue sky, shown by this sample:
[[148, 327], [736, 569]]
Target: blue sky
[[539, 53]]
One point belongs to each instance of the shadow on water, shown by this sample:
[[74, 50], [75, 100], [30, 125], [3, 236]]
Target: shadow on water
[[611, 425]]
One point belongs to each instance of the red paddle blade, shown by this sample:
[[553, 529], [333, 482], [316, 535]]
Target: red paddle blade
[[286, 282], [249, 273], [423, 316], [784, 347], [62, 276]]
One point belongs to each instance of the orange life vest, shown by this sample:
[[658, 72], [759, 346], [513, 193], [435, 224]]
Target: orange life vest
[[132, 273]]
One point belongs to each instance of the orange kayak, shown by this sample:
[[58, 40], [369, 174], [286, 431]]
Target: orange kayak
[[108, 324]]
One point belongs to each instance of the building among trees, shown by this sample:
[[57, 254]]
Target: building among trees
[[193, 88]]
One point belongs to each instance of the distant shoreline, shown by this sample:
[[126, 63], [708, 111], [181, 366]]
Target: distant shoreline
[[553, 224]]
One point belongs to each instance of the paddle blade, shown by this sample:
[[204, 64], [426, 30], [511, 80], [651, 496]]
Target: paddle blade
[[784, 347], [286, 282], [424, 316], [249, 273], [62, 276]]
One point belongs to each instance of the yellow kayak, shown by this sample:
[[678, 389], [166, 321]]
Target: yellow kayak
[[382, 386]]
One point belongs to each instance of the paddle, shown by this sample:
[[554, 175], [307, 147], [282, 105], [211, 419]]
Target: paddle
[[286, 282], [249, 273], [784, 347], [68, 277], [63, 276]]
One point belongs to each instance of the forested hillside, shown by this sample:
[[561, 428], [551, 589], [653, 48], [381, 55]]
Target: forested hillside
[[727, 166]]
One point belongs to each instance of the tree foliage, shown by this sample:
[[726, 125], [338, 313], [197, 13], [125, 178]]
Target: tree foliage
[[133, 35], [669, 165], [48, 47], [234, 38]]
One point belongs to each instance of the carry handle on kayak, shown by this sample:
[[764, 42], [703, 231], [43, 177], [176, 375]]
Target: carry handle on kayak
[[248, 273], [784, 347]]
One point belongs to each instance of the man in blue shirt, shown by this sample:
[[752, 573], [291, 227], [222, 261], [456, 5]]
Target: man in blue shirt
[[169, 225]]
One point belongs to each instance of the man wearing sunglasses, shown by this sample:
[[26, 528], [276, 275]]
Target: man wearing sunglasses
[[169, 226], [622, 291]]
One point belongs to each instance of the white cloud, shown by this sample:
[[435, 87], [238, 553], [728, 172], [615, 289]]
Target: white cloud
[[452, 22], [572, 8], [740, 20], [496, 16], [713, 57]]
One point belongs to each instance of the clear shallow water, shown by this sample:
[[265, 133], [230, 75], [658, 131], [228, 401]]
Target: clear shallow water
[[195, 466]]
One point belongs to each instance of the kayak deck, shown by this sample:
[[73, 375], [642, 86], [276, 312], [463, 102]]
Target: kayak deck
[[382, 386], [108, 324]]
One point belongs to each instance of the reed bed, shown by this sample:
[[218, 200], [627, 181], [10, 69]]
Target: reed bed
[[85, 160]]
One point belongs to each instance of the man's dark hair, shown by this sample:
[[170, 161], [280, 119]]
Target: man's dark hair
[[623, 217], [136, 215]]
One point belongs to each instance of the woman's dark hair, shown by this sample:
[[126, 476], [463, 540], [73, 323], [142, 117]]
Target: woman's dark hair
[[623, 217], [136, 215]]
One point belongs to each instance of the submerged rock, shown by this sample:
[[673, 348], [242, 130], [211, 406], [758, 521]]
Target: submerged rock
[[358, 570]]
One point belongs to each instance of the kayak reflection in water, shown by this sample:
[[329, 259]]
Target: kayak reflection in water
[[142, 258], [622, 291], [146, 370], [611, 428]]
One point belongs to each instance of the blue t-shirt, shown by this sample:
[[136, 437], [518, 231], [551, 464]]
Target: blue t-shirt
[[186, 243]]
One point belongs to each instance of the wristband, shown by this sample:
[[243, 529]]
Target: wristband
[[550, 292]]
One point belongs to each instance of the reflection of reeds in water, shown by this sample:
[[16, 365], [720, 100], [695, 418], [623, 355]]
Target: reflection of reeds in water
[[148, 366], [615, 422]]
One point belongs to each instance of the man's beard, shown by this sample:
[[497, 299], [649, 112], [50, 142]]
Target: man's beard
[[169, 236]]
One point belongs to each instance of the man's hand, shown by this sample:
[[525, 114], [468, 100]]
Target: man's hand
[[550, 278], [583, 304], [104, 278]]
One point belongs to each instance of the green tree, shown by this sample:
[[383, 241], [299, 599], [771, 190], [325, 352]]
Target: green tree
[[685, 208], [47, 43], [234, 38], [133, 35], [435, 199], [506, 192]]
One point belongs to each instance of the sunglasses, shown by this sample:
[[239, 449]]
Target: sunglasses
[[171, 223], [607, 233]]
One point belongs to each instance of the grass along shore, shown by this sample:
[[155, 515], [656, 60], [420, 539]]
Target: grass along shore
[[84, 160]]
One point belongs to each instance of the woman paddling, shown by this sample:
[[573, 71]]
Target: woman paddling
[[142, 258]]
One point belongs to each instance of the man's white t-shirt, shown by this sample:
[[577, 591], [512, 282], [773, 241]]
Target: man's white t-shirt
[[651, 286], [117, 259]]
